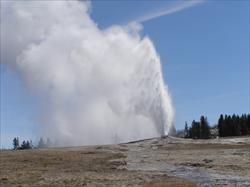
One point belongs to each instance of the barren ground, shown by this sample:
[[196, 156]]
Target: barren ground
[[156, 162]]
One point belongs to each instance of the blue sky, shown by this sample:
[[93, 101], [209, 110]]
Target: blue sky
[[204, 51]]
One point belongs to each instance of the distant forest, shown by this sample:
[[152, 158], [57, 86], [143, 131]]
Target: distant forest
[[234, 125], [29, 145], [227, 125]]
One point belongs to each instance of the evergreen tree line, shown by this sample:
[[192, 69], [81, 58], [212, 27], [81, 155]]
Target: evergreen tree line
[[234, 125], [198, 129], [25, 144], [28, 144]]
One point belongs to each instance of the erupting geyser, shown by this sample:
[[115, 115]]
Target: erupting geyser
[[95, 86]]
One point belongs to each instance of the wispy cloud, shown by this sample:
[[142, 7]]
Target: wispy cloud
[[176, 7]]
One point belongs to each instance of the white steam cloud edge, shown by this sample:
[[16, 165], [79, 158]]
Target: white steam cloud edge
[[95, 86]]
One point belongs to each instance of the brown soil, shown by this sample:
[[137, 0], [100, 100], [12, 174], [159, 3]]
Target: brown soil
[[82, 166], [116, 165]]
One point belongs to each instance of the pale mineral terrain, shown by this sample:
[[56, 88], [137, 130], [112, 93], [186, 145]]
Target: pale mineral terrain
[[157, 162]]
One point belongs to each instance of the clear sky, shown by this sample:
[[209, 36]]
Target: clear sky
[[204, 51]]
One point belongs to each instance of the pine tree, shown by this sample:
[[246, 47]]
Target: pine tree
[[197, 130], [28, 145], [23, 145], [227, 126], [220, 126], [186, 133], [248, 124], [194, 131], [237, 126], [15, 143], [204, 128]]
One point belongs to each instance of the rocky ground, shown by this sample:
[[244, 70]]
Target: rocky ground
[[156, 162]]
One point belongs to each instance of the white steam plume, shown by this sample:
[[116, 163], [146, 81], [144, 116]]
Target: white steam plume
[[96, 86]]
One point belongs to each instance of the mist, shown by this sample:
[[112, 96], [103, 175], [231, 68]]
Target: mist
[[94, 86]]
